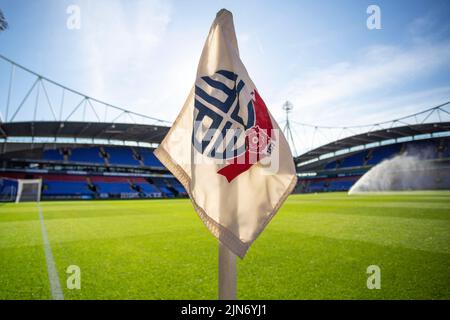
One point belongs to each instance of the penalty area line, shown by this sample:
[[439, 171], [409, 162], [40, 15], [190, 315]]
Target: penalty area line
[[53, 277]]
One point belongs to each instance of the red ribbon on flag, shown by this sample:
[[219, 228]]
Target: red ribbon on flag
[[244, 162]]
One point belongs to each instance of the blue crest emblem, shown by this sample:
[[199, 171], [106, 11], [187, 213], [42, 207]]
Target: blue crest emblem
[[217, 109]]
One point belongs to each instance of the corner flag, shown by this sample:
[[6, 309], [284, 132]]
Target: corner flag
[[225, 147]]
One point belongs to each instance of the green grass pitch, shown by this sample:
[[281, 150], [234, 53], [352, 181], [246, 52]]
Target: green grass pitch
[[318, 246]]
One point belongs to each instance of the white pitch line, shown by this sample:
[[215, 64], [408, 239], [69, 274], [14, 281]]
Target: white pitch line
[[53, 278]]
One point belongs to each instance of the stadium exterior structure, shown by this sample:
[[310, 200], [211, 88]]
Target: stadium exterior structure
[[81, 147], [336, 166], [84, 148], [89, 160], [150, 134], [86, 160]]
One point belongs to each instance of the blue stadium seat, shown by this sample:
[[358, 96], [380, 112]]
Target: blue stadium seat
[[381, 153], [121, 155], [316, 186], [113, 187], [446, 152], [149, 158], [180, 189], [86, 154], [65, 188], [177, 186], [8, 189], [147, 188], [354, 160], [166, 191], [52, 154], [162, 185], [330, 165], [340, 185]]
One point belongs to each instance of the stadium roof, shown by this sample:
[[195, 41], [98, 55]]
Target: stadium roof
[[85, 130], [374, 136]]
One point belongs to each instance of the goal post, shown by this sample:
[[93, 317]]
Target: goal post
[[29, 190]]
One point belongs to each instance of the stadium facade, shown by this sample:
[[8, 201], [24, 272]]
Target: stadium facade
[[87, 170], [338, 165], [83, 148], [82, 170]]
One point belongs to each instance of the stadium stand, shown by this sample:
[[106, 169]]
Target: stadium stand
[[384, 152], [149, 158], [66, 188], [143, 186], [121, 156], [111, 156], [164, 186], [88, 155], [8, 189], [445, 150], [179, 187], [76, 186], [106, 158], [103, 171], [340, 172], [53, 154], [331, 165], [355, 160]]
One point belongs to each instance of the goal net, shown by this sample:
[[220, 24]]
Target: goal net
[[28, 190]]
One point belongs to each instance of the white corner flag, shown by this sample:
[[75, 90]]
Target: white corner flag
[[225, 147]]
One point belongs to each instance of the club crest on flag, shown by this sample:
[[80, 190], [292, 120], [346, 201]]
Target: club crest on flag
[[230, 123]]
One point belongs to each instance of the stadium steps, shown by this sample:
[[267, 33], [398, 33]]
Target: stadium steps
[[104, 155], [137, 156]]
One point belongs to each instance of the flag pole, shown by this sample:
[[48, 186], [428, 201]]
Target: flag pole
[[227, 273]]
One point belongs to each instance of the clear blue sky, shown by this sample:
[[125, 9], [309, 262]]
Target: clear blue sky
[[318, 54]]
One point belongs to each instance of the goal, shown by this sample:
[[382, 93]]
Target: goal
[[28, 190]]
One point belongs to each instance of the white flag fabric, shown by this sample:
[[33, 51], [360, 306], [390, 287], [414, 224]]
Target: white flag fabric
[[225, 147]]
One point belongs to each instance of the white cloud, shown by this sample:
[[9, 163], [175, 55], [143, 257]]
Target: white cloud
[[347, 88], [397, 106], [119, 50], [134, 60], [400, 105], [243, 38]]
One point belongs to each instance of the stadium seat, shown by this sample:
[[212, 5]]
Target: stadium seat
[[446, 152], [163, 186], [8, 189], [385, 152], [330, 165], [121, 156], [115, 188], [146, 188], [53, 155], [65, 188], [316, 186], [149, 158], [86, 154], [354, 160], [338, 185]]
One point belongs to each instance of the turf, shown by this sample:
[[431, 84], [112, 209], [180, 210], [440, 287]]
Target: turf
[[317, 247]]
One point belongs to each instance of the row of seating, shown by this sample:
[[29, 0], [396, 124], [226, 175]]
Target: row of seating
[[121, 155], [8, 188], [171, 187], [423, 149], [80, 186], [326, 184]]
